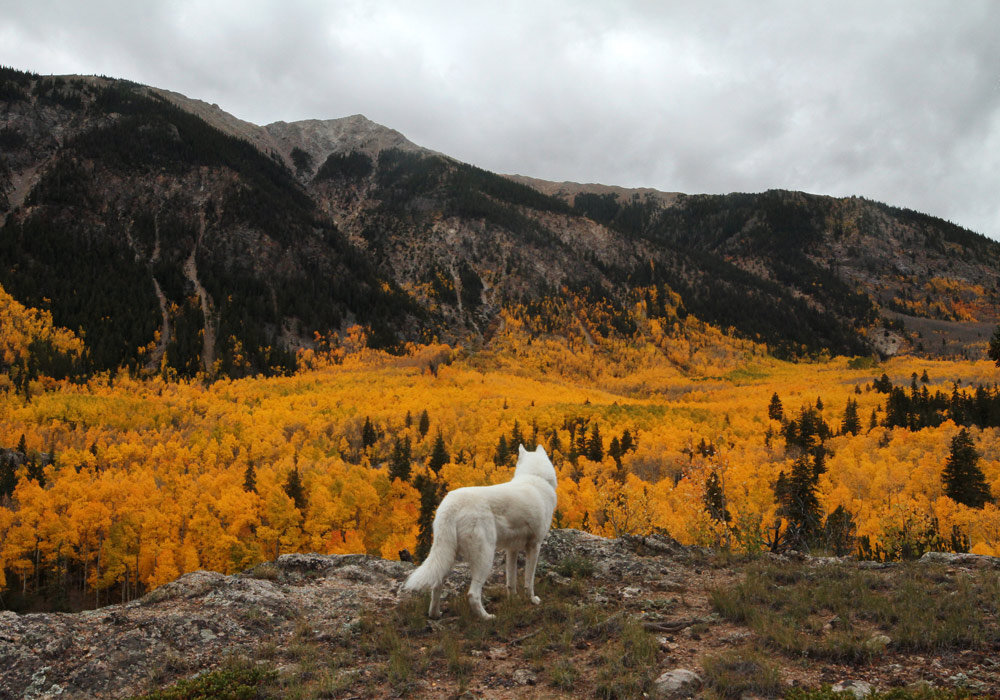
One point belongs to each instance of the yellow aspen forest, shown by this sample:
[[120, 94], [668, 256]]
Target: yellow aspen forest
[[119, 484]]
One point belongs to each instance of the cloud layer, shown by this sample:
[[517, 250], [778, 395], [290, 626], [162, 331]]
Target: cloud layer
[[897, 101]]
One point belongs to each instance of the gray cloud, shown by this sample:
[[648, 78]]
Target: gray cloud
[[897, 101]]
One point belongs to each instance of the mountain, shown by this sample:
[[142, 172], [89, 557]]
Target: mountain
[[173, 236]]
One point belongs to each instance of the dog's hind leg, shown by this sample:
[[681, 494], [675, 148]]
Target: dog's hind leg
[[530, 562], [511, 572], [480, 563], [435, 610]]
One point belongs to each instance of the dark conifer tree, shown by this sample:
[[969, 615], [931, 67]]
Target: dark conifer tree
[[502, 454], [775, 411], [35, 472], [964, 481], [8, 477], [852, 424], [369, 436], [250, 479], [516, 436], [595, 445], [399, 463], [293, 487], [22, 446], [628, 443], [798, 503], [424, 424], [554, 442], [439, 455], [715, 499], [994, 351], [431, 493], [840, 530], [615, 451]]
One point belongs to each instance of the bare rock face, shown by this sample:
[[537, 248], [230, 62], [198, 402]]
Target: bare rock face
[[321, 137]]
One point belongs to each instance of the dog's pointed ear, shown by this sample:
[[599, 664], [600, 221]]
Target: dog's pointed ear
[[540, 449], [521, 450]]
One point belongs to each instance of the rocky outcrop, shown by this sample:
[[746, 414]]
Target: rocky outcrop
[[196, 622]]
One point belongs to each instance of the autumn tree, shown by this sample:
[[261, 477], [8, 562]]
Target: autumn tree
[[994, 351], [964, 481]]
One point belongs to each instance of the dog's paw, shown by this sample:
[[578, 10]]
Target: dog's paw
[[488, 616], [535, 600]]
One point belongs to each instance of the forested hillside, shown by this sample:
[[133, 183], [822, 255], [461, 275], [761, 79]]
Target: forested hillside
[[174, 238]]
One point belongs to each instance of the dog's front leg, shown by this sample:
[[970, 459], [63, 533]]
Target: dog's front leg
[[511, 572], [530, 561]]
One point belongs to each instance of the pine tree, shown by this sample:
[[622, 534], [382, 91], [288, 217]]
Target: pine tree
[[797, 501], [439, 455], [369, 436], [628, 442], [8, 477], [595, 445], [22, 446], [840, 532], [293, 487], [250, 479], [502, 454], [516, 436], [399, 463], [775, 411], [994, 351], [615, 451], [35, 471], [424, 424], [430, 496], [964, 481], [852, 424], [715, 499]]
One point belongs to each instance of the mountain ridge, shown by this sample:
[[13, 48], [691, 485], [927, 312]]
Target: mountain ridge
[[304, 228]]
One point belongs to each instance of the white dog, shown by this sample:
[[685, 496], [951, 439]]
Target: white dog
[[473, 522]]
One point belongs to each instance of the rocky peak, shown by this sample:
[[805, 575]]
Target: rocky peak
[[322, 137]]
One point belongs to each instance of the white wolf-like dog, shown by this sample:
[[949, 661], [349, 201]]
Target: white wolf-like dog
[[473, 522]]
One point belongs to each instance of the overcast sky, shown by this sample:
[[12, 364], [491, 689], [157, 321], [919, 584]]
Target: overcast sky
[[896, 101]]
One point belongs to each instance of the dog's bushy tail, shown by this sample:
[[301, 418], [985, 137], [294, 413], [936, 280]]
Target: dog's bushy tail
[[438, 562]]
